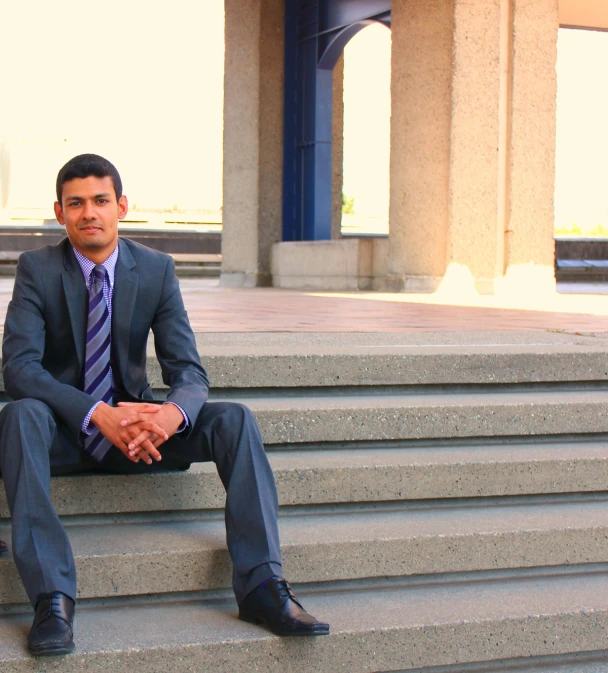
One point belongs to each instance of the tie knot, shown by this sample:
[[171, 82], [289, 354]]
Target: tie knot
[[99, 273]]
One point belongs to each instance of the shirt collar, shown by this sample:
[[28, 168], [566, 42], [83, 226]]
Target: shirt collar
[[87, 266]]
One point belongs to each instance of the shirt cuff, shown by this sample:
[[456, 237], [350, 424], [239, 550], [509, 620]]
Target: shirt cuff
[[186, 422], [87, 427]]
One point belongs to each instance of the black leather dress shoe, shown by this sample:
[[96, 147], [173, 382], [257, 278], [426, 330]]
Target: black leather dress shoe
[[51, 632], [3, 547], [274, 605]]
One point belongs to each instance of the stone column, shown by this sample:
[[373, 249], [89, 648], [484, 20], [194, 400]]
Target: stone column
[[479, 143], [420, 142], [503, 145], [253, 139], [530, 244], [337, 149]]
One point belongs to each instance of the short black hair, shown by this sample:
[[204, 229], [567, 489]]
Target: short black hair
[[84, 166]]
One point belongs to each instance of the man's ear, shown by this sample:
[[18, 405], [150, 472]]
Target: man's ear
[[59, 212], [123, 207]]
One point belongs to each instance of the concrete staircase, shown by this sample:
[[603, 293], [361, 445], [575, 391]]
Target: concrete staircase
[[443, 501]]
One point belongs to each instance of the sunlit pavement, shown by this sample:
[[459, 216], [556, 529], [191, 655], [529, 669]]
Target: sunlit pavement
[[215, 309]]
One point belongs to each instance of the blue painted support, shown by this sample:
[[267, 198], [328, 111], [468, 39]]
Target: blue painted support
[[307, 197], [316, 32], [317, 226], [292, 113]]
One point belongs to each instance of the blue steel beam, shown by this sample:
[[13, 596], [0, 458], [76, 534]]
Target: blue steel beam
[[316, 32], [342, 13]]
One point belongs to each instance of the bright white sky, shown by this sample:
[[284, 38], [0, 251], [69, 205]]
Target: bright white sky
[[581, 190], [367, 112], [145, 89], [581, 181], [142, 87]]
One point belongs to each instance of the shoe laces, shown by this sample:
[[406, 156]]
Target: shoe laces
[[286, 592], [55, 605], [52, 608]]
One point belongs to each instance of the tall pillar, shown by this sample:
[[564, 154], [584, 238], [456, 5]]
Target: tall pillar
[[420, 142], [253, 139], [530, 245], [473, 144], [503, 145], [479, 142]]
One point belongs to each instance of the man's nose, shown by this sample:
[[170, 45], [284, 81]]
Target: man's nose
[[88, 211]]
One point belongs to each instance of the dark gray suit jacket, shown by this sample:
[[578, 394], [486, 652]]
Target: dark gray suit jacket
[[44, 333]]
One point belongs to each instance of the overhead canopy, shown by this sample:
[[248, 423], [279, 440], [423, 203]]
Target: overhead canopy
[[584, 14]]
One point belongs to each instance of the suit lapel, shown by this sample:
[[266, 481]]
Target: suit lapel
[[76, 299], [126, 282]]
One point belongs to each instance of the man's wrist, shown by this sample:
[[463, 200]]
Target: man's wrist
[[87, 426], [186, 421]]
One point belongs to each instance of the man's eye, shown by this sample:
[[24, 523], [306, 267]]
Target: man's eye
[[102, 200], [75, 203]]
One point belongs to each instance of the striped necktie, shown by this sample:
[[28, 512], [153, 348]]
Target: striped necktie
[[97, 373]]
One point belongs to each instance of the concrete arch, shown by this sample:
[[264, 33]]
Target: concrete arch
[[316, 34], [335, 48]]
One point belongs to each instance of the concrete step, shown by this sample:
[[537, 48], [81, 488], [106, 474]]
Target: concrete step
[[197, 271], [393, 628], [594, 662], [176, 555], [285, 360], [276, 360], [357, 473], [344, 417], [348, 417], [398, 462]]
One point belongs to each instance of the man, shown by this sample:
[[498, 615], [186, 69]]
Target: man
[[74, 357]]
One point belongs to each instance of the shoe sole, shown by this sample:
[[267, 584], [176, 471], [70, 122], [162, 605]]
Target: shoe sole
[[51, 650], [319, 630]]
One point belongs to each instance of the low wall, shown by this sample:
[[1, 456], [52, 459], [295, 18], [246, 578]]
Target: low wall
[[20, 239], [581, 248], [581, 260], [339, 265]]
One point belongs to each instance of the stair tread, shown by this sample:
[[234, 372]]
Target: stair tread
[[454, 415], [174, 556], [439, 455], [361, 474], [282, 360], [338, 528], [436, 399], [388, 628]]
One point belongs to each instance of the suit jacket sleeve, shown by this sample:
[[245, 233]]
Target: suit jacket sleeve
[[23, 351], [176, 350]]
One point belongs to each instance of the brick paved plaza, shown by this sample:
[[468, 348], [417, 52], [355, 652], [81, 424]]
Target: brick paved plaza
[[215, 309]]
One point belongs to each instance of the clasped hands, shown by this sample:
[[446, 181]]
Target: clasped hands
[[138, 428]]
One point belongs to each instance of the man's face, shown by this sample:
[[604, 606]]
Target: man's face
[[90, 213]]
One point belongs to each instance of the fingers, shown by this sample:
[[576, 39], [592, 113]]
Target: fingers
[[151, 450], [142, 444], [137, 418], [144, 407], [143, 430], [135, 457], [145, 452]]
